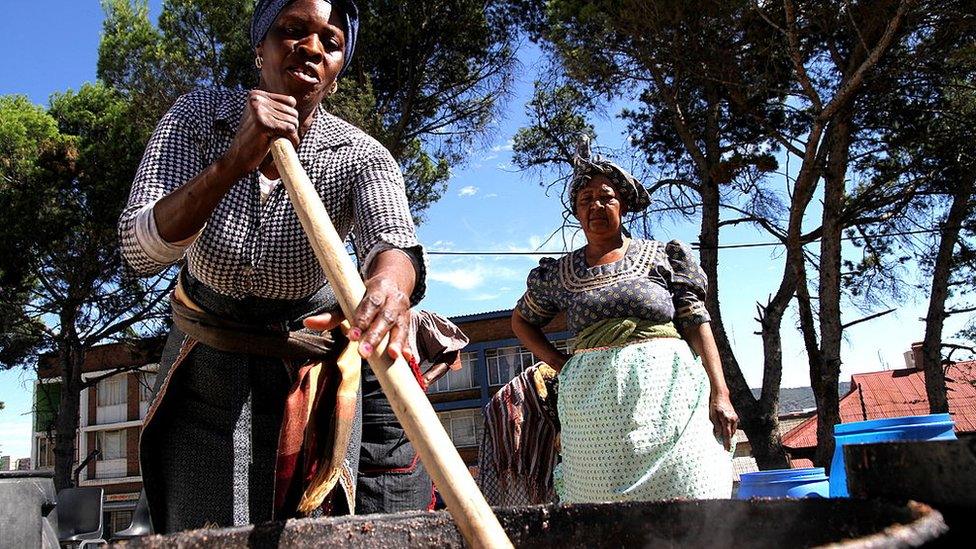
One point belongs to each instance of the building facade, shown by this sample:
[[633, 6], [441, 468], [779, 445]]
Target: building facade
[[118, 385]]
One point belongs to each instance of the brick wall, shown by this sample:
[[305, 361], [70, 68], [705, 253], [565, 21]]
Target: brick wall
[[123, 488], [501, 328], [132, 397], [93, 404], [132, 450], [454, 395], [112, 355], [92, 444]]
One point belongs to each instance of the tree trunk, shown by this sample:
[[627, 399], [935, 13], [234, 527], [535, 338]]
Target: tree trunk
[[771, 321], [825, 365], [935, 387], [758, 418], [71, 358]]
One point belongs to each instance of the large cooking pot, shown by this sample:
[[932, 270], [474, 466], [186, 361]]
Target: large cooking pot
[[714, 523]]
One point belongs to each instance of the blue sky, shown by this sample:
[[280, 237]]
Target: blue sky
[[52, 45]]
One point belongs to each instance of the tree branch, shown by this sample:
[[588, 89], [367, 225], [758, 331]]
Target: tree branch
[[796, 57], [865, 319], [848, 87]]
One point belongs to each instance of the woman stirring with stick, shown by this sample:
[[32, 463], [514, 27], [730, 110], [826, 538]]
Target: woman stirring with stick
[[641, 418], [225, 440]]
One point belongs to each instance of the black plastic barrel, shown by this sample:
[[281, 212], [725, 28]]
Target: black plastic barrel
[[717, 523]]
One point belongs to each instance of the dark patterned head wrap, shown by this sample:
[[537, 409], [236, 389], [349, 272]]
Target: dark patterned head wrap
[[266, 11], [586, 167]]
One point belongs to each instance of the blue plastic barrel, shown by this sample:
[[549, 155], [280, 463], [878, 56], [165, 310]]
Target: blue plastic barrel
[[893, 429], [784, 483]]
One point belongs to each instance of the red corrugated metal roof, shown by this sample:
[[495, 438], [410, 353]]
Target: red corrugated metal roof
[[801, 463], [896, 393]]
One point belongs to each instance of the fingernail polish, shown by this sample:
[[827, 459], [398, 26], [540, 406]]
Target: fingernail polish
[[367, 347], [355, 333]]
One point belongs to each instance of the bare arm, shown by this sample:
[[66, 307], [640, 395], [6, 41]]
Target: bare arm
[[536, 341], [267, 116], [384, 309], [441, 365], [703, 343], [723, 416]]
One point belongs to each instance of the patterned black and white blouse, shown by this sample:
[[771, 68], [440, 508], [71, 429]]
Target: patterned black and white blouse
[[652, 281], [250, 248]]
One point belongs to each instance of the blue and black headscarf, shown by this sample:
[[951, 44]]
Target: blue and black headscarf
[[266, 11], [586, 166]]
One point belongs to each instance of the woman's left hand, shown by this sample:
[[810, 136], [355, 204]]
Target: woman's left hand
[[723, 416], [385, 309]]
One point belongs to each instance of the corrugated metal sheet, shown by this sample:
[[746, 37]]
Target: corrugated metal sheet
[[897, 393], [801, 463]]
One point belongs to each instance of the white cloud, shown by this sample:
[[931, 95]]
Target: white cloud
[[462, 279], [483, 297], [506, 147], [469, 190], [473, 275]]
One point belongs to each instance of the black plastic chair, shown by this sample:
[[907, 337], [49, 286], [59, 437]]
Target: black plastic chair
[[80, 516], [141, 524]]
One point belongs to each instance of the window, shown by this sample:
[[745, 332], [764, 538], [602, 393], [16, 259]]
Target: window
[[117, 521], [463, 426], [564, 345], [504, 363], [111, 444], [458, 380], [147, 380], [111, 399], [45, 453], [111, 462]]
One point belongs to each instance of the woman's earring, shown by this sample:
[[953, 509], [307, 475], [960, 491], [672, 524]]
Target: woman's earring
[[258, 62], [334, 88]]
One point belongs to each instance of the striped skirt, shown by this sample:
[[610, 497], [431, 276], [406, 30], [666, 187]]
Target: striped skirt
[[635, 426]]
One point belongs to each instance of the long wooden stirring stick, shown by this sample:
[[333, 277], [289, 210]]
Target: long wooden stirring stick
[[471, 512]]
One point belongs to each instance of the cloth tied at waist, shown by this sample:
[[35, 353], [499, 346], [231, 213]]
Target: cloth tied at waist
[[240, 337], [320, 409], [620, 331]]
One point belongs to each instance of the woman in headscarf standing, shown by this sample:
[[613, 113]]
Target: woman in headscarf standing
[[246, 393], [641, 418]]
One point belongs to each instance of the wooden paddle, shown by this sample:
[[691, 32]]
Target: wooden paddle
[[471, 512]]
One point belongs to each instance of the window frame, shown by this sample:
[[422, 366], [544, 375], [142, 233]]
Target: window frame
[[446, 384]]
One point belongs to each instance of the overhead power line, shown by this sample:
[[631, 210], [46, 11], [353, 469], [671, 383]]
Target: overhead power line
[[695, 245]]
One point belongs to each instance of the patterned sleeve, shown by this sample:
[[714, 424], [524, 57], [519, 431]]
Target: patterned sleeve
[[538, 305], [382, 219], [171, 159], [688, 286]]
